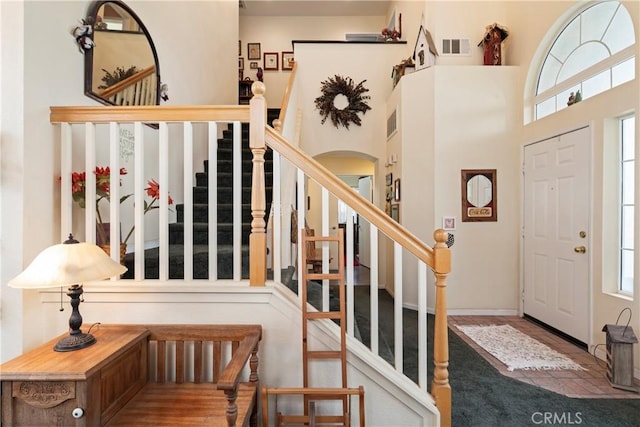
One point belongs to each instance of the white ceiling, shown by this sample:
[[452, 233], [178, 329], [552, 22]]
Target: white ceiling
[[313, 8]]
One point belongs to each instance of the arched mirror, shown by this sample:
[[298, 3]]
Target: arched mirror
[[122, 67], [479, 195]]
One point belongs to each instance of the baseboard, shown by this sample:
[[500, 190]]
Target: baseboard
[[482, 312]]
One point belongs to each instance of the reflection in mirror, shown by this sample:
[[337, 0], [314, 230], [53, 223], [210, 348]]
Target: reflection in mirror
[[122, 68], [479, 191]]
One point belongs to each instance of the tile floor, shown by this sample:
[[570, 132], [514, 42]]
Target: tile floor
[[591, 383]]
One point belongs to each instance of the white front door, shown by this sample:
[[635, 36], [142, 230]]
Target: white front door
[[556, 232]]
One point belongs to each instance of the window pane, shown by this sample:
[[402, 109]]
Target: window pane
[[627, 209], [627, 183], [627, 227], [596, 19], [624, 72], [626, 271], [628, 138], [549, 73], [567, 41], [596, 84], [620, 33], [582, 58], [546, 107]]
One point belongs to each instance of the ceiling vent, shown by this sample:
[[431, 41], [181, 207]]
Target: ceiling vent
[[362, 37], [455, 47]]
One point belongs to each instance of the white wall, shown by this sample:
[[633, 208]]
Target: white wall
[[485, 255], [467, 20], [432, 148], [276, 33], [42, 67]]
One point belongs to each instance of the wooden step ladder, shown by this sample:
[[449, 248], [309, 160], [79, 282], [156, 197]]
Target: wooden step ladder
[[310, 394]]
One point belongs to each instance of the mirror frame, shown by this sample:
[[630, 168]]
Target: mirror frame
[[487, 213], [88, 54]]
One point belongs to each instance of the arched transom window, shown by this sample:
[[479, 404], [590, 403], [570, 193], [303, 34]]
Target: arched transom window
[[593, 53]]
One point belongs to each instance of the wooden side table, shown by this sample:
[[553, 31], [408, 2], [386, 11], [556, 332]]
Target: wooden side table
[[79, 388]]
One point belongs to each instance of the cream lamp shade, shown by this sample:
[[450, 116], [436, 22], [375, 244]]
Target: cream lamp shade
[[67, 264], [70, 263]]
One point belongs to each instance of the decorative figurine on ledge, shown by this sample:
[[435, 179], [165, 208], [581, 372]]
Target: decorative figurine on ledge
[[574, 97], [494, 35], [389, 35], [259, 74]]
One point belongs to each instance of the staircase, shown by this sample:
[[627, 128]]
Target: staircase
[[224, 228]]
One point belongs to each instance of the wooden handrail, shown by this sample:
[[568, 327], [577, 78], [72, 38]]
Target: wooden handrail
[[149, 113], [287, 95], [358, 203], [129, 81]]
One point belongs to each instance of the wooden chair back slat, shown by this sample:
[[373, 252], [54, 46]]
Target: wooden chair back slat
[[198, 369], [217, 356], [161, 362], [180, 365]]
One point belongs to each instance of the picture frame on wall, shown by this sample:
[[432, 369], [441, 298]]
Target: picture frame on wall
[[395, 212], [253, 51], [479, 195], [270, 61], [239, 47], [396, 190], [253, 65], [388, 178], [240, 63], [287, 60], [448, 223]]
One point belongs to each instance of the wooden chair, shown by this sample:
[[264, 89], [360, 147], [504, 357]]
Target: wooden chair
[[195, 376], [314, 259], [312, 395]]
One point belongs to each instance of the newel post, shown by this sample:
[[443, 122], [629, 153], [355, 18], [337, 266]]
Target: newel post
[[440, 387], [258, 237], [277, 125]]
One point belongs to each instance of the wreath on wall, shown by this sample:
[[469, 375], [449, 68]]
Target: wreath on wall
[[356, 98]]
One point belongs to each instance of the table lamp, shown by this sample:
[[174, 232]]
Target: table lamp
[[69, 263]]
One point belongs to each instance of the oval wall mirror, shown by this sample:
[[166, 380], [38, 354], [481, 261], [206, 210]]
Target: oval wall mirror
[[122, 68], [479, 191]]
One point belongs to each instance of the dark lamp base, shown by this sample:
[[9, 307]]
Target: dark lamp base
[[75, 342]]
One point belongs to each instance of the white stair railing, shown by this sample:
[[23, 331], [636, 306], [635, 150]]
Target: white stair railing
[[100, 144], [176, 125]]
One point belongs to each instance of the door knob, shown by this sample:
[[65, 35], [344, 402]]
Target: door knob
[[580, 249]]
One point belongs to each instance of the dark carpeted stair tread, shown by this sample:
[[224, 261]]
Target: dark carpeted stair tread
[[224, 214], [200, 262], [225, 194]]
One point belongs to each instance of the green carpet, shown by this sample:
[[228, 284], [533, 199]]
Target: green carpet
[[482, 397]]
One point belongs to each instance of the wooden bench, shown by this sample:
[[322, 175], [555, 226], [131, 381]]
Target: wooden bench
[[194, 378]]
